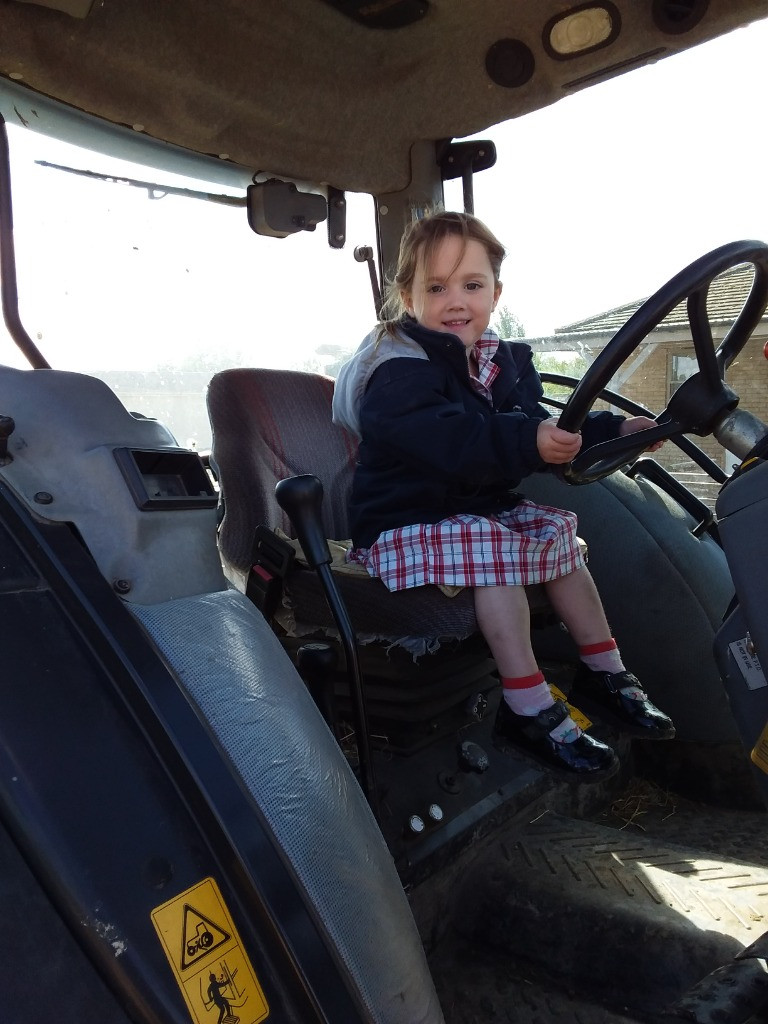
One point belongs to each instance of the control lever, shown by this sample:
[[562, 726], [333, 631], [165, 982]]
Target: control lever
[[301, 498], [7, 427], [364, 254]]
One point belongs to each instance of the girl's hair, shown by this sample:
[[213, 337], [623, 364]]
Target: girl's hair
[[419, 243]]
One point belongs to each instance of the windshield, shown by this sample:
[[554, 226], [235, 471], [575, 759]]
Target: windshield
[[599, 200], [154, 291]]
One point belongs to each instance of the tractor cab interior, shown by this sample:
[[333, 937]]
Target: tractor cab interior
[[237, 775]]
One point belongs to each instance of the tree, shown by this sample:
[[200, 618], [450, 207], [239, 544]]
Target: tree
[[553, 362], [507, 324]]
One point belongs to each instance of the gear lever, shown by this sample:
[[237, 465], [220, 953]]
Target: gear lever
[[301, 498]]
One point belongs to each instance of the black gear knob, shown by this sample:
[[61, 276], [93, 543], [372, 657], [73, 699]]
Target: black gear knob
[[301, 498]]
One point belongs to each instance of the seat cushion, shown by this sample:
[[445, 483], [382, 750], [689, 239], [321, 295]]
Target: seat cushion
[[376, 612]]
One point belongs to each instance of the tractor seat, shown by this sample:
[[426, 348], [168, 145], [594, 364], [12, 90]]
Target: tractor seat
[[269, 425]]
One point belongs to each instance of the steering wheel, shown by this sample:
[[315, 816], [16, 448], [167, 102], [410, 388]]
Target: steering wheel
[[699, 402]]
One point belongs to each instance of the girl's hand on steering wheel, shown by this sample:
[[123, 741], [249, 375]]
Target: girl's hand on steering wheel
[[556, 446], [635, 423]]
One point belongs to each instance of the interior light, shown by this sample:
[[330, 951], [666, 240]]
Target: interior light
[[581, 30]]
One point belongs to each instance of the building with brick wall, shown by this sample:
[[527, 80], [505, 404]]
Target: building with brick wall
[[666, 358]]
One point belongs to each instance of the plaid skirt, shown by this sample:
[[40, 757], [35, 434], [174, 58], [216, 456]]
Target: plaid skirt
[[529, 544]]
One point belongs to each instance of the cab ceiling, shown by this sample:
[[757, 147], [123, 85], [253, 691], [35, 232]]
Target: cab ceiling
[[297, 87]]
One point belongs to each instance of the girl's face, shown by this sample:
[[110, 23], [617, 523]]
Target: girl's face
[[457, 293]]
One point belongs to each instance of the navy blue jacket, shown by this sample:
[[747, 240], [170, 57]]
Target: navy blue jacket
[[432, 447]]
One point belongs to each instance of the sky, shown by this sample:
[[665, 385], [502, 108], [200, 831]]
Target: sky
[[599, 199]]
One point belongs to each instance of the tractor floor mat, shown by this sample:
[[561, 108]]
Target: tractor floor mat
[[619, 918], [478, 988]]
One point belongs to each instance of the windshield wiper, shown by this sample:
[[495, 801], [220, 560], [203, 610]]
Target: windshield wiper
[[154, 190]]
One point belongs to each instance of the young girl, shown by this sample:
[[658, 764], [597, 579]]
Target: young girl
[[449, 422]]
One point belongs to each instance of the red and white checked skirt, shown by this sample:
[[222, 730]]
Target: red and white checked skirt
[[529, 544]]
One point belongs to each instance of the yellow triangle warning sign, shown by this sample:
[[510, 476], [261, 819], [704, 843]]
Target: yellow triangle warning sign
[[199, 936], [207, 957]]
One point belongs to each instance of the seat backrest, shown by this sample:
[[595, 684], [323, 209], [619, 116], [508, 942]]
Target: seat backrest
[[269, 425]]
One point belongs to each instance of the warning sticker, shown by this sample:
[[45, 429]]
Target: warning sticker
[[578, 716], [759, 753], [743, 653], [214, 974]]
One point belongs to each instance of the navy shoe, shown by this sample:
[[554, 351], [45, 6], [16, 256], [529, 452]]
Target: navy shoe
[[584, 756], [635, 715]]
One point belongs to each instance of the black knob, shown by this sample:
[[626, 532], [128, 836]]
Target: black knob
[[472, 757], [316, 664], [316, 661], [301, 498]]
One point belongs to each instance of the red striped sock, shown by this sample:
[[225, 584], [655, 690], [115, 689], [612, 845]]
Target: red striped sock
[[527, 695], [602, 657]]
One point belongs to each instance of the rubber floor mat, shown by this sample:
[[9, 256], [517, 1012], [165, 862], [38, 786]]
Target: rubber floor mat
[[611, 916], [491, 993]]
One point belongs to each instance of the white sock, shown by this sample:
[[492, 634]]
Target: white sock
[[610, 661], [530, 700], [605, 661]]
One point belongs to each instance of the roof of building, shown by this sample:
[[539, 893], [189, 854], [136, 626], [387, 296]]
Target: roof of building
[[727, 295]]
